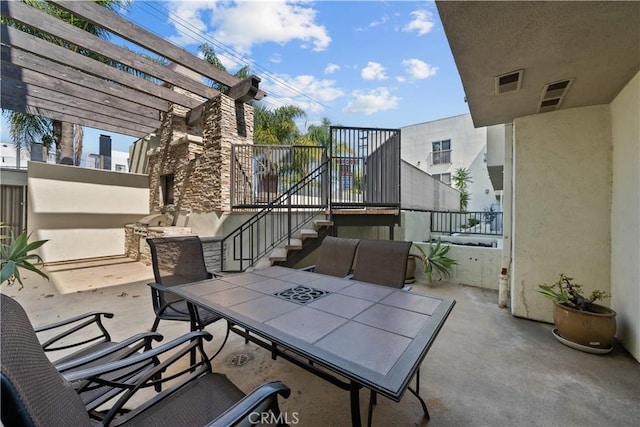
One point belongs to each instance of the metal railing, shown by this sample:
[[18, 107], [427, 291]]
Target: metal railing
[[365, 167], [262, 173], [276, 222], [486, 222], [440, 157]]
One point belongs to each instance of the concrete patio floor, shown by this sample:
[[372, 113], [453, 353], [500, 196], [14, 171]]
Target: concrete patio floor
[[486, 368]]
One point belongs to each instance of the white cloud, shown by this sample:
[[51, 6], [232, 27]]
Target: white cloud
[[372, 101], [373, 71], [243, 24], [292, 91], [401, 79], [188, 13], [423, 22], [331, 68], [419, 69]]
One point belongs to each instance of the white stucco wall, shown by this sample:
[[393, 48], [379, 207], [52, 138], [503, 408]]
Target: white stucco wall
[[83, 211], [468, 150], [562, 201], [625, 215]]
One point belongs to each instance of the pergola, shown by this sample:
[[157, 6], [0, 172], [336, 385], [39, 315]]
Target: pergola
[[46, 79]]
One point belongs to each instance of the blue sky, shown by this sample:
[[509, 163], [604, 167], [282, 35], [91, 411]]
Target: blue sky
[[358, 63]]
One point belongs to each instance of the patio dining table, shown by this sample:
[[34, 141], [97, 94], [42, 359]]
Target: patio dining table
[[351, 333]]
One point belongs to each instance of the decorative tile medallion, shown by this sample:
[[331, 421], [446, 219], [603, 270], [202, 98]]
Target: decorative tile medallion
[[302, 294]]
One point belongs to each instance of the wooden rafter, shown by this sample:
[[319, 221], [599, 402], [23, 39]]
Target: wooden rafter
[[43, 78]]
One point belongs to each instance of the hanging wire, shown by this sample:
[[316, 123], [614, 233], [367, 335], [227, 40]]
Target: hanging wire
[[190, 31]]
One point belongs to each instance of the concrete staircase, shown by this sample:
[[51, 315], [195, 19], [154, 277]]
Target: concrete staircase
[[282, 253]]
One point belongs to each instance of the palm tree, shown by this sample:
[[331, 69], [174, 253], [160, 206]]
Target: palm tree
[[27, 129]]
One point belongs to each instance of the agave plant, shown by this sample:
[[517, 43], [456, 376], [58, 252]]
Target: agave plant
[[15, 254], [437, 260]]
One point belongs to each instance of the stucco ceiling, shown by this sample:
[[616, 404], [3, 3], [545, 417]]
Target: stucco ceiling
[[597, 44]]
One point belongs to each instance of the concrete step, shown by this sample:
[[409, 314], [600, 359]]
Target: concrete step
[[307, 233], [319, 223], [278, 254], [294, 244]]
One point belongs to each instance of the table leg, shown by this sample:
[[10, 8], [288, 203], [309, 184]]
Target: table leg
[[354, 391], [193, 313]]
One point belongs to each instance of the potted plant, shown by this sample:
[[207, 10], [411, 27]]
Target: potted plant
[[580, 323], [15, 255], [435, 260]]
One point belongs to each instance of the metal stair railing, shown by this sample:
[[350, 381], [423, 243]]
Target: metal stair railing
[[277, 222]]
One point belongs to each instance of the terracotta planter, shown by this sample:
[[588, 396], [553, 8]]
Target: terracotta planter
[[410, 275], [595, 330]]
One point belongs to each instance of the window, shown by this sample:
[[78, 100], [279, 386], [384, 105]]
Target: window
[[167, 189], [444, 177], [441, 152]]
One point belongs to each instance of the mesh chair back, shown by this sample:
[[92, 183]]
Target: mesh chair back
[[383, 262], [33, 392], [335, 256], [177, 260]]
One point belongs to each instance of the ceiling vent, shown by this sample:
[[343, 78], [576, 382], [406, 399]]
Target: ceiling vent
[[508, 82], [552, 95]]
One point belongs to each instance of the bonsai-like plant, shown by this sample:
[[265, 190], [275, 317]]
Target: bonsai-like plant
[[15, 255], [437, 260], [569, 294]]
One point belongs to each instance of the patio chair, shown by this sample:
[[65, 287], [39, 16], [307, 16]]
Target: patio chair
[[93, 348], [34, 393], [176, 261], [383, 262], [335, 256]]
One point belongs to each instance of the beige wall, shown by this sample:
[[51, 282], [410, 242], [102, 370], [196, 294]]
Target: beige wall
[[562, 201], [625, 215], [421, 191], [83, 211]]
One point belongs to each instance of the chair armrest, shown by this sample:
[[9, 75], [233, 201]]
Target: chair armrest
[[75, 324], [245, 407], [308, 268], [89, 373], [65, 322], [158, 287], [149, 373], [136, 342]]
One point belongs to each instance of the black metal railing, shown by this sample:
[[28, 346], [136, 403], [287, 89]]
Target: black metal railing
[[276, 222], [262, 173], [365, 167], [487, 222]]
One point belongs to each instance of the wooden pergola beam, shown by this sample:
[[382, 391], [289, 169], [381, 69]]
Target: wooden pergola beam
[[100, 101], [38, 19], [100, 16], [38, 110], [41, 47], [45, 78], [28, 92], [29, 61]]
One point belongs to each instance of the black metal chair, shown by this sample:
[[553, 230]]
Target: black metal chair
[[383, 262], [335, 256], [93, 348], [176, 261], [34, 393]]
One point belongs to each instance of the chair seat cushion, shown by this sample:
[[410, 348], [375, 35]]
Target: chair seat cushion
[[196, 404]]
